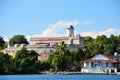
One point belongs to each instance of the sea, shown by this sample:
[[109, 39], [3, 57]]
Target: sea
[[60, 77]]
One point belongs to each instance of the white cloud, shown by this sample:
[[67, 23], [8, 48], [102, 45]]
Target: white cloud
[[60, 26], [56, 28], [107, 32], [59, 29], [87, 23]]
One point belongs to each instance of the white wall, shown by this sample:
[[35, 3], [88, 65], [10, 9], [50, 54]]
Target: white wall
[[97, 64]]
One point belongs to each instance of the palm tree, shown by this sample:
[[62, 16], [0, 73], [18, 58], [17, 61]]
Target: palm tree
[[62, 48]]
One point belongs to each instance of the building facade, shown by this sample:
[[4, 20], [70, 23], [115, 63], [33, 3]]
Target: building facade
[[45, 46], [117, 58], [99, 64]]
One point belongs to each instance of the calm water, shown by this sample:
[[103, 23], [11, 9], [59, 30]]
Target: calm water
[[60, 77]]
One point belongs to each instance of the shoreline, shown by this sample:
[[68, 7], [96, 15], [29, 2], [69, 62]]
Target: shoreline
[[65, 72]]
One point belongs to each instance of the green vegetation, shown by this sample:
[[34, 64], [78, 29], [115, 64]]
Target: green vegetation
[[18, 39], [70, 61], [101, 45], [3, 44], [5, 61], [26, 62]]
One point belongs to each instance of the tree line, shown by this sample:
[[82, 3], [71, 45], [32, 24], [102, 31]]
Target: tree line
[[26, 62]]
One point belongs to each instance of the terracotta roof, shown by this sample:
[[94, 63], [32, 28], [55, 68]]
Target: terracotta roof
[[95, 59], [111, 60], [47, 42]]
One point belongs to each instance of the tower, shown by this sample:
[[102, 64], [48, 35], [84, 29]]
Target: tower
[[9, 44], [70, 31]]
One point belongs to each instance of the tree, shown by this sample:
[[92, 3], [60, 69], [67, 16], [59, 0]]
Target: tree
[[55, 62], [63, 59], [80, 54], [18, 39], [62, 48], [57, 59], [5, 60], [88, 38], [114, 41], [87, 54], [25, 62], [2, 43], [77, 56], [102, 45]]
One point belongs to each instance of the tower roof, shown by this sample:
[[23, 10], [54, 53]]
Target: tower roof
[[70, 27]]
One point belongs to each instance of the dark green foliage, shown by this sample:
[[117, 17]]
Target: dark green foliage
[[101, 45], [5, 59], [3, 44], [18, 39], [25, 61], [87, 39], [1, 41], [80, 55], [63, 59], [62, 48]]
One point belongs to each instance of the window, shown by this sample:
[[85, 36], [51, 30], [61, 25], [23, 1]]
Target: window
[[106, 64], [92, 64]]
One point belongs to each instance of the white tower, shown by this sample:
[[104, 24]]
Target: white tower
[[70, 31], [9, 43]]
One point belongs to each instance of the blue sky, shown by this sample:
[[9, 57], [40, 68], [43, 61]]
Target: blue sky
[[50, 17]]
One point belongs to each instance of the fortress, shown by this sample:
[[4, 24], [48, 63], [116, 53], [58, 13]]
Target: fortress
[[45, 46]]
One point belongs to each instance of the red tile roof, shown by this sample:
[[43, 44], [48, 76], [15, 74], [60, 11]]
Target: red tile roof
[[47, 42], [109, 59]]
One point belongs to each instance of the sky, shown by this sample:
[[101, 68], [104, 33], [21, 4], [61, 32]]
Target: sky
[[35, 18]]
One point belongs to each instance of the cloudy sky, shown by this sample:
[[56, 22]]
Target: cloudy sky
[[34, 18]]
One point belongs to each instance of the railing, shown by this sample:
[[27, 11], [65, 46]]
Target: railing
[[98, 70]]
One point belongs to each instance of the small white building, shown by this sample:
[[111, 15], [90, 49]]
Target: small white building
[[99, 64], [117, 57]]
